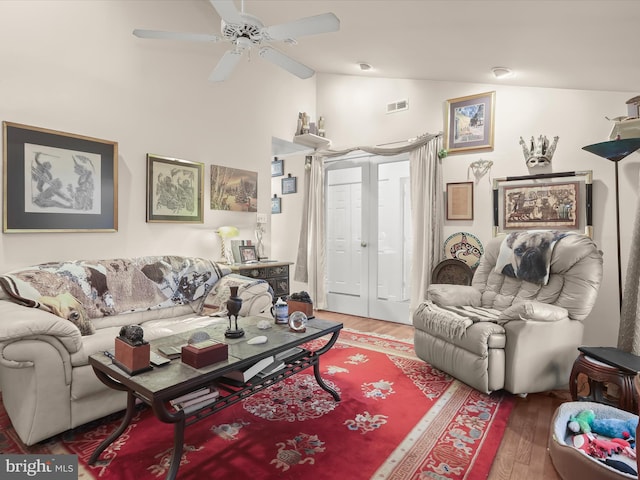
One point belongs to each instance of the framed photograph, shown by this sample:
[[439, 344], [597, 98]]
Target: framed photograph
[[58, 182], [276, 204], [460, 201], [277, 168], [469, 124], [289, 185], [234, 189], [553, 201], [175, 190], [247, 253]]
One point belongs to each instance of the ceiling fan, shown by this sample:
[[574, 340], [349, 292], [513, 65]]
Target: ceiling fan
[[245, 31]]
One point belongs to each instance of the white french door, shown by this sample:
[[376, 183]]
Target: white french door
[[368, 228]]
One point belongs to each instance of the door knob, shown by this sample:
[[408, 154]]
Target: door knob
[[363, 244]]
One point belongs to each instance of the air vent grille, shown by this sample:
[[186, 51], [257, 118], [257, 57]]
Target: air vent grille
[[398, 106]]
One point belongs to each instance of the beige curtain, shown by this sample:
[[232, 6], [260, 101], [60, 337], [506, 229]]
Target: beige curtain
[[425, 172], [629, 332], [426, 207]]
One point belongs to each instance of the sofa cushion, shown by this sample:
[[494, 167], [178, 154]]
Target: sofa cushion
[[102, 288]]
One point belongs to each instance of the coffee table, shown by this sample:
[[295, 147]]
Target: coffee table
[[160, 385]]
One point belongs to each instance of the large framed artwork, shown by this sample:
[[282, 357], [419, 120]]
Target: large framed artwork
[[58, 182], [470, 122], [234, 189], [175, 190], [552, 201]]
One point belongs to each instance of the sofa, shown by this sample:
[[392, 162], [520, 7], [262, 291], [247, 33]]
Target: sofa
[[508, 330], [53, 316]]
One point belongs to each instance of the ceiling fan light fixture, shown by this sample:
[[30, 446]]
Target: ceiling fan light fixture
[[364, 66], [502, 72]]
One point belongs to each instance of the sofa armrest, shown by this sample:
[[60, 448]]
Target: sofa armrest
[[534, 311], [445, 294], [18, 322], [249, 289]]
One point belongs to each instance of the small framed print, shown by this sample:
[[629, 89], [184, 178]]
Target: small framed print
[[276, 204], [174, 190], [460, 201], [289, 185], [247, 253], [277, 168], [470, 122]]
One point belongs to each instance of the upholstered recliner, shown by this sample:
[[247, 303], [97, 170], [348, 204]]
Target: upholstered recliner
[[507, 333]]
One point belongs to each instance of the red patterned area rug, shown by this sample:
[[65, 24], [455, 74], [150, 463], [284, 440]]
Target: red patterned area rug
[[399, 418]]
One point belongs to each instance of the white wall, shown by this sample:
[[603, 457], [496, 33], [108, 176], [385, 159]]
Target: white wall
[[354, 108], [75, 66]]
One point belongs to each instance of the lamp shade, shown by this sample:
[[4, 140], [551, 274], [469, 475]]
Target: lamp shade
[[614, 150], [228, 232]]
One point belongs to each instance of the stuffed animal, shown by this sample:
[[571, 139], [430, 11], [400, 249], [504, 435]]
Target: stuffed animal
[[615, 427], [585, 421], [581, 423]]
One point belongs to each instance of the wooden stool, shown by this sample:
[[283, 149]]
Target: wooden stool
[[600, 378]]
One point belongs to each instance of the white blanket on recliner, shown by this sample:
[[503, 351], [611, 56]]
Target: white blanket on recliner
[[442, 321], [452, 321]]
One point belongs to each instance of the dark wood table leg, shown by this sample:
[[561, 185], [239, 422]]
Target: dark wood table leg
[[131, 403], [178, 419], [316, 366]]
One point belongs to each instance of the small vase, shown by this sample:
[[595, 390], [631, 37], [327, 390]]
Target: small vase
[[234, 304]]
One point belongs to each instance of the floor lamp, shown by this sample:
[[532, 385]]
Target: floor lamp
[[616, 150]]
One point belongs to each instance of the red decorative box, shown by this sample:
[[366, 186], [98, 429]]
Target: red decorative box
[[205, 353]]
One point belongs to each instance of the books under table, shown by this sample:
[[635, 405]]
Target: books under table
[[195, 400], [262, 368]]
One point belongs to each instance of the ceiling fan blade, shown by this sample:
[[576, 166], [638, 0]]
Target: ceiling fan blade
[[225, 66], [324, 23], [280, 59], [193, 37], [227, 11]]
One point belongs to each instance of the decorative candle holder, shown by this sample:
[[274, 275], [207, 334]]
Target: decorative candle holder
[[234, 304]]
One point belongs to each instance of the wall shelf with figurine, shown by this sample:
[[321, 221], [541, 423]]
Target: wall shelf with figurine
[[311, 140]]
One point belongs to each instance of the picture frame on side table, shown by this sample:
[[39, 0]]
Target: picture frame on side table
[[58, 182], [460, 201], [470, 123], [248, 253], [277, 168], [289, 185], [550, 201], [175, 190], [276, 204]]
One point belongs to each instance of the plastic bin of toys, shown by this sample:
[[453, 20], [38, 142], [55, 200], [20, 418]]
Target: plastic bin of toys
[[593, 456]]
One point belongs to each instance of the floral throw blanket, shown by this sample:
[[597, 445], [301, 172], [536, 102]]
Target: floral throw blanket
[[80, 290]]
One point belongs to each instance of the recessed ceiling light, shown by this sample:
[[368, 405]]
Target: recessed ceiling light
[[364, 66], [502, 72]]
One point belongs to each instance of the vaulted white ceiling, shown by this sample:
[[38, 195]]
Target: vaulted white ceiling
[[570, 44]]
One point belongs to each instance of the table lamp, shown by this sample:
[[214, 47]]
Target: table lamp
[[616, 150], [226, 233]]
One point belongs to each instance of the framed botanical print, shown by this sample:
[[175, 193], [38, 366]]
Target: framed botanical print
[[289, 185], [277, 168], [58, 182], [276, 204], [470, 123], [174, 190]]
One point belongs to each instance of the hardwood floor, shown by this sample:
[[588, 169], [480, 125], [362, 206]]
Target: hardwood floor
[[523, 452]]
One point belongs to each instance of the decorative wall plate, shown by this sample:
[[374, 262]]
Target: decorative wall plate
[[464, 246]]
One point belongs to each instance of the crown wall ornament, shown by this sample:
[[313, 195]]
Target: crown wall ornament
[[539, 153]]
